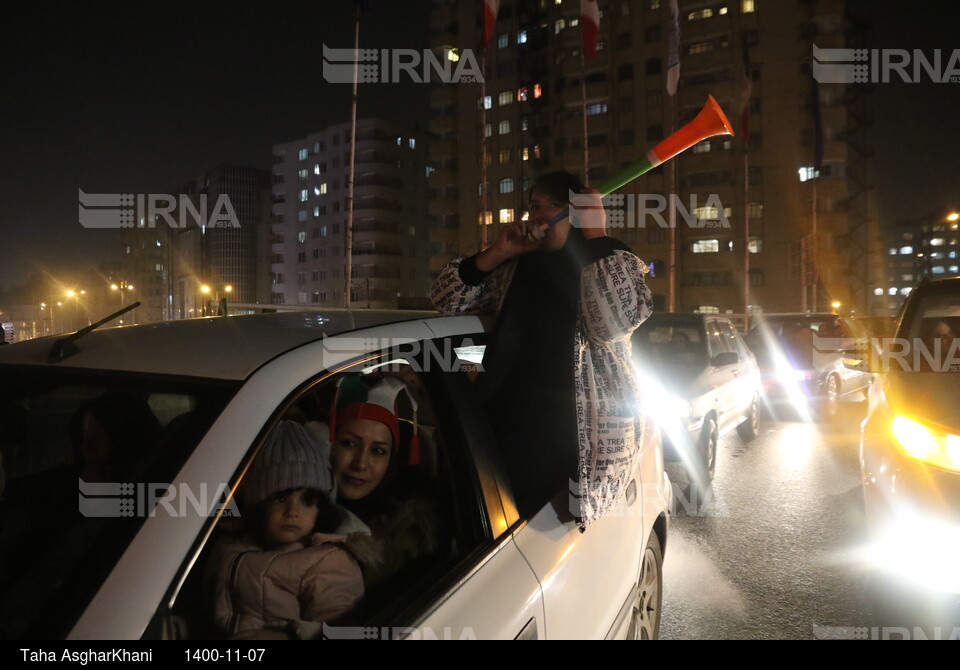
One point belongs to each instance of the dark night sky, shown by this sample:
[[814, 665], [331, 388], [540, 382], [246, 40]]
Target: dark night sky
[[144, 97]]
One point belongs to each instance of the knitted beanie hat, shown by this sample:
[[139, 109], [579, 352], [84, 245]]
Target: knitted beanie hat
[[292, 458]]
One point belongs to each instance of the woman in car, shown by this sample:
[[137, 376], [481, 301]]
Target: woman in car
[[366, 449]]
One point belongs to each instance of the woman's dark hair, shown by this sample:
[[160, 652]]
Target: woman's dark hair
[[329, 516], [557, 185]]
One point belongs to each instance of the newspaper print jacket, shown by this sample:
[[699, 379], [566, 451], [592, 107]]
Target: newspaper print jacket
[[614, 301]]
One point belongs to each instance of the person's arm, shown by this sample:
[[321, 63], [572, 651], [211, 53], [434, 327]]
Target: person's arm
[[614, 298], [331, 587], [475, 285]]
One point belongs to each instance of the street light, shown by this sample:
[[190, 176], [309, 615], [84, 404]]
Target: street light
[[121, 288], [836, 306], [76, 299]]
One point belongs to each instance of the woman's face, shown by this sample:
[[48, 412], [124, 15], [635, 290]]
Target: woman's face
[[291, 516], [360, 456]]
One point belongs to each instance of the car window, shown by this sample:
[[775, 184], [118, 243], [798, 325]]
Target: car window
[[734, 341], [716, 343], [103, 440], [933, 328], [670, 343], [423, 518]]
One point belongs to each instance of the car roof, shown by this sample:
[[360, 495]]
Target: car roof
[[229, 347]]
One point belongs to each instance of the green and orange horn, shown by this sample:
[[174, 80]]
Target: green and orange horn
[[710, 122]]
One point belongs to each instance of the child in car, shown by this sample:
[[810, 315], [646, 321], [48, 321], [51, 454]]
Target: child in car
[[295, 564]]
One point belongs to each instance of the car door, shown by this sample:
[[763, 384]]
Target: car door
[[473, 583]]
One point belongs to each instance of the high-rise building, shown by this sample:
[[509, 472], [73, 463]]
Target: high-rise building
[[926, 247], [390, 246], [753, 208]]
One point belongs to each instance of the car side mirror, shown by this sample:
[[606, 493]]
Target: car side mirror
[[726, 358]]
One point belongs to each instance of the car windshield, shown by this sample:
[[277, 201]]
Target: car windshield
[[671, 343], [78, 451], [933, 328]]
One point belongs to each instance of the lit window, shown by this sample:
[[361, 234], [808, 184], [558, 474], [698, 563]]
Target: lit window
[[807, 173], [412, 143], [747, 6], [302, 175], [522, 94], [486, 218], [907, 277], [503, 41], [707, 309], [938, 270], [559, 25], [525, 153], [756, 210], [506, 216], [953, 269], [304, 195], [706, 212], [701, 148], [893, 252], [522, 37], [303, 154], [302, 236], [893, 290], [706, 246], [323, 231], [506, 185], [537, 91], [504, 127], [700, 14], [755, 245], [906, 250], [598, 108], [505, 98], [322, 189], [486, 102], [488, 130], [316, 168], [302, 215], [505, 156], [906, 291], [937, 242], [878, 291]]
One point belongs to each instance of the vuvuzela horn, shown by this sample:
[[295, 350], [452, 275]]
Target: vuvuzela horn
[[710, 122]]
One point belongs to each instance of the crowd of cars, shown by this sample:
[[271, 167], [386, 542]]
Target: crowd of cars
[[130, 565]]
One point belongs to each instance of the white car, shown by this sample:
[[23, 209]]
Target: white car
[[127, 562]]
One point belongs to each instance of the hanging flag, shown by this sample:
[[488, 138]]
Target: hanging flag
[[589, 26], [817, 126], [490, 8], [673, 49], [745, 94]]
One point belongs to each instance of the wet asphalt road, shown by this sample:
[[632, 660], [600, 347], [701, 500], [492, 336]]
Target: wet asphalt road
[[771, 556]]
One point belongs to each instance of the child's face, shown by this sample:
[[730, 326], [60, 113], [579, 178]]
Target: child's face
[[291, 516]]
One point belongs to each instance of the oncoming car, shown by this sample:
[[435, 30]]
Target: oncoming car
[[121, 551], [802, 364], [910, 443], [703, 382]]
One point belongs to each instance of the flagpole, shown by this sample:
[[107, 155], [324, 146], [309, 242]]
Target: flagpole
[[483, 151], [583, 113], [348, 232]]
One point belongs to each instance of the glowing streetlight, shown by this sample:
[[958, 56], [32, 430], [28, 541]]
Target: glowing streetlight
[[836, 306]]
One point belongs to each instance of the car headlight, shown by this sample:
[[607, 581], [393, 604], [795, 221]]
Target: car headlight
[[926, 444], [668, 406], [788, 374]]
